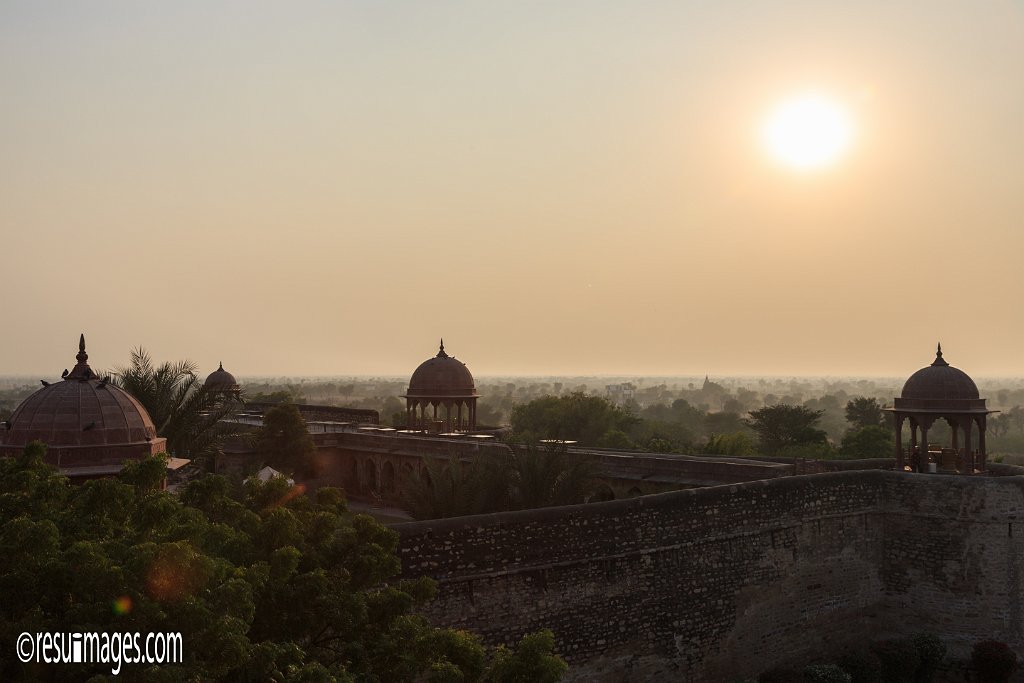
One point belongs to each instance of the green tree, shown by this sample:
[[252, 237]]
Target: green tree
[[264, 583], [781, 426], [189, 415], [576, 417], [872, 441], [737, 443], [523, 477], [538, 476], [279, 396], [864, 412], [446, 488], [284, 443]]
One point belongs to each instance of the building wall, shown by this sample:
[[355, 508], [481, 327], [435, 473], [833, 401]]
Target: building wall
[[371, 466], [711, 583]]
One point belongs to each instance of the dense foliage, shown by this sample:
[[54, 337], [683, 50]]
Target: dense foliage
[[284, 443], [523, 477], [782, 426], [264, 583], [583, 418], [187, 413]]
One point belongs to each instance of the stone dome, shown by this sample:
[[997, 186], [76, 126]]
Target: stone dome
[[84, 420], [442, 376], [940, 381], [221, 380]]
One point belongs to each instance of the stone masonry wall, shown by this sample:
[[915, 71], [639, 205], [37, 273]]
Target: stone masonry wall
[[706, 584]]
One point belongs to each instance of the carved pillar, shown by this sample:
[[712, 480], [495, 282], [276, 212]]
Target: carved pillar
[[923, 455], [966, 464], [982, 454], [899, 442]]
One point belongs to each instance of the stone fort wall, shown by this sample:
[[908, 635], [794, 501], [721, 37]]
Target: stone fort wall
[[707, 584]]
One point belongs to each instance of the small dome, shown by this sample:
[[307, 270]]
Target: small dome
[[440, 376], [81, 411], [940, 381], [221, 380]]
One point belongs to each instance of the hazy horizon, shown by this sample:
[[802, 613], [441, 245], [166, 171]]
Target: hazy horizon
[[571, 189]]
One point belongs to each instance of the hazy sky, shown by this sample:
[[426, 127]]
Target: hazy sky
[[555, 187]]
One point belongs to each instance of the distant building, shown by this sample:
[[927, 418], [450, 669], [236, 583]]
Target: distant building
[[620, 394], [221, 380], [441, 395]]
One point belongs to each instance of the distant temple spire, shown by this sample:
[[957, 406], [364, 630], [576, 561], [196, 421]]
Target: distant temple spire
[[441, 353]]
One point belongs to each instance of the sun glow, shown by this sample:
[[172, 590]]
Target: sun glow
[[807, 133]]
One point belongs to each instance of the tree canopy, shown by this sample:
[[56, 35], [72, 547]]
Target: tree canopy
[[864, 412], [524, 477], [577, 417], [284, 443], [264, 583], [782, 426]]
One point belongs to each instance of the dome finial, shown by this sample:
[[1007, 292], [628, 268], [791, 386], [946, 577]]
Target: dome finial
[[939, 360], [220, 365], [441, 353], [81, 369]]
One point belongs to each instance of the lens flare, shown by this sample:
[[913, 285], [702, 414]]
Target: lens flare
[[122, 606]]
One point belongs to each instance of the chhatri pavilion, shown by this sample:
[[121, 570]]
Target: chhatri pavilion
[[941, 392], [441, 395]]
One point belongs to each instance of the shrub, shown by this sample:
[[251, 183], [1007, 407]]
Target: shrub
[[900, 660], [995, 662], [825, 673], [932, 651], [863, 666], [781, 675]]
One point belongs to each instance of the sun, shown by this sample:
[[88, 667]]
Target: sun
[[808, 132]]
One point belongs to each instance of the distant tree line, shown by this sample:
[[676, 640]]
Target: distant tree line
[[776, 430]]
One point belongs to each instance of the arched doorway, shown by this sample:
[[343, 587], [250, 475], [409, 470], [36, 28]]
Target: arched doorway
[[388, 479]]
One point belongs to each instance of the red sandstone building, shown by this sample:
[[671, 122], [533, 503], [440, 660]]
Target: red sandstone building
[[90, 426], [441, 396], [941, 392]]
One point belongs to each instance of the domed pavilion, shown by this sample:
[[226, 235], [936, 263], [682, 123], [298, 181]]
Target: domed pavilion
[[441, 395], [90, 426], [941, 392], [221, 380]]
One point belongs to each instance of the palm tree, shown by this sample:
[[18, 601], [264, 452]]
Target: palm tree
[[189, 415], [443, 489], [523, 477], [547, 476]]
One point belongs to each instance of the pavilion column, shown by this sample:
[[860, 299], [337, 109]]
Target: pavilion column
[[955, 428], [472, 414], [899, 442], [967, 461], [982, 456], [460, 415], [923, 454]]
